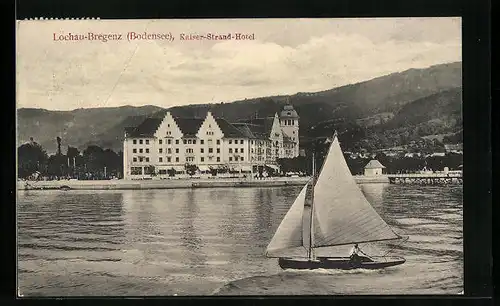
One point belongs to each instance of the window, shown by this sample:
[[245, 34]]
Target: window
[[218, 150], [218, 159], [210, 150], [185, 141], [177, 159], [140, 141], [230, 141], [236, 150], [241, 141], [140, 159], [169, 151], [202, 159], [201, 150], [160, 150], [177, 141], [189, 150], [218, 141], [230, 150], [190, 159], [162, 171], [134, 159], [189, 141], [160, 159], [202, 141], [176, 150], [230, 158], [169, 159], [134, 150], [293, 132], [252, 141], [147, 141], [160, 141], [134, 141], [241, 150], [140, 150], [147, 150], [169, 141], [168, 125], [147, 159], [242, 159], [194, 141]]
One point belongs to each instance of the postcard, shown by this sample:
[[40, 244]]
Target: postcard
[[239, 157]]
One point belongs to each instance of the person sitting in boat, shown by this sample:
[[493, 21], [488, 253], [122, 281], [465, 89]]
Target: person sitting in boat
[[355, 257]]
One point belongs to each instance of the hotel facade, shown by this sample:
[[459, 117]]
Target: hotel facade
[[173, 147]]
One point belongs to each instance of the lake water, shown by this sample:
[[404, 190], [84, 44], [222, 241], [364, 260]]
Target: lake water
[[211, 241]]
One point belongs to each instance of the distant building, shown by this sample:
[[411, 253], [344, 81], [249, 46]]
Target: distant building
[[454, 148], [437, 154], [374, 167], [162, 146]]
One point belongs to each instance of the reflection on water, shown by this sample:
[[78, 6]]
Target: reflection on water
[[158, 242]]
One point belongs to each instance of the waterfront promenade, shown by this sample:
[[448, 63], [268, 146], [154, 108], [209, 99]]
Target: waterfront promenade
[[159, 184], [426, 179], [176, 183]]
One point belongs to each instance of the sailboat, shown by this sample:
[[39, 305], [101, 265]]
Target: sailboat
[[330, 210]]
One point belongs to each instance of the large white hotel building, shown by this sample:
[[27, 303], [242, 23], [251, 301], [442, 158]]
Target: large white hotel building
[[168, 146]]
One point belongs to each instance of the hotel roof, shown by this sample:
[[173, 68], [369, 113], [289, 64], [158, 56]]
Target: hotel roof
[[228, 129], [254, 131], [252, 128], [146, 129], [189, 126]]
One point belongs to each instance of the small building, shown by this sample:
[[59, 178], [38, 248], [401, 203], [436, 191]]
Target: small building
[[454, 148], [374, 167]]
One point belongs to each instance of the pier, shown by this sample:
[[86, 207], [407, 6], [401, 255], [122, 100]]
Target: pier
[[426, 178]]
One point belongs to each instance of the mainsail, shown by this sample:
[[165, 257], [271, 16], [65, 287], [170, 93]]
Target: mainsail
[[341, 213], [289, 232]]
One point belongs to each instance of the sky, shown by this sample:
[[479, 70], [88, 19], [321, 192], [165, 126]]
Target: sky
[[286, 56]]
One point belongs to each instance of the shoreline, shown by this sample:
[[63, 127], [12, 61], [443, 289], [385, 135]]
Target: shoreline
[[176, 183]]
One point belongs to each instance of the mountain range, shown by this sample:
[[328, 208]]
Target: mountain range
[[384, 112]]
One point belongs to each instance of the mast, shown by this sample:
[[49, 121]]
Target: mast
[[312, 205]]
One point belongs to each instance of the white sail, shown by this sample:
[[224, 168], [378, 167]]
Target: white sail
[[341, 213], [289, 232]]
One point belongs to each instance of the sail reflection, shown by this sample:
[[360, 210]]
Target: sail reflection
[[189, 236], [374, 193]]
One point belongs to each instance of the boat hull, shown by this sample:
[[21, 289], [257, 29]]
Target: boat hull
[[342, 263]]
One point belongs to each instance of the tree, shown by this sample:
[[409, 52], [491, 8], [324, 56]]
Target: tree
[[72, 152], [191, 169], [31, 158], [58, 140], [57, 165], [93, 158], [171, 172], [213, 171]]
